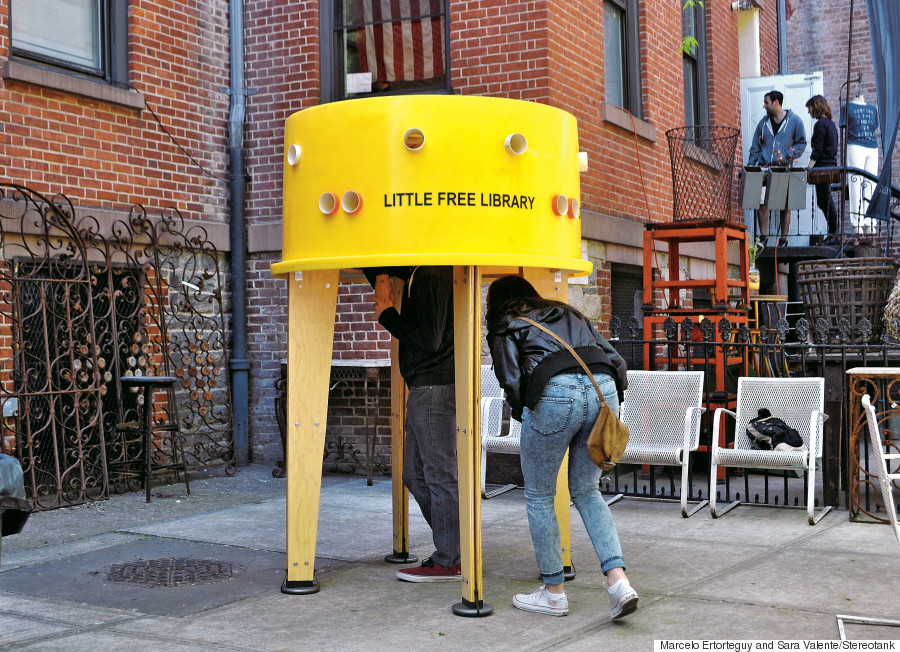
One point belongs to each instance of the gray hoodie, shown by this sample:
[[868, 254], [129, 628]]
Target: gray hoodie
[[790, 141]]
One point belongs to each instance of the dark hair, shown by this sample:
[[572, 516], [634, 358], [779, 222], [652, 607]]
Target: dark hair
[[775, 96], [818, 106], [513, 295]]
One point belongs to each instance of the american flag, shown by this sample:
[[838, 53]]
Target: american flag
[[394, 48]]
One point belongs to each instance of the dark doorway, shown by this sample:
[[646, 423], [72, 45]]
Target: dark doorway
[[627, 296]]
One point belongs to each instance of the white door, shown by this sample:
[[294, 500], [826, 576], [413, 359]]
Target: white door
[[797, 89]]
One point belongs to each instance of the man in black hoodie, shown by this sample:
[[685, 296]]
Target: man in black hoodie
[[424, 330]]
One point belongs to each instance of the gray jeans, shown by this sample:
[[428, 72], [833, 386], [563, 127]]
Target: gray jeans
[[429, 465]]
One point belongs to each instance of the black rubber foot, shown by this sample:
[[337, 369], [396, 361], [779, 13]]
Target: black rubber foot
[[400, 558], [299, 588], [472, 610]]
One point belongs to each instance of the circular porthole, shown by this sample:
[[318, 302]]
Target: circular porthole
[[351, 202], [574, 209], [413, 140], [293, 155], [560, 205], [516, 144], [328, 203]]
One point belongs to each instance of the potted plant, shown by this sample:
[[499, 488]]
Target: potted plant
[[754, 248]]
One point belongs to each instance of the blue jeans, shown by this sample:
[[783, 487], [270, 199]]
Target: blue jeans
[[561, 421], [430, 467]]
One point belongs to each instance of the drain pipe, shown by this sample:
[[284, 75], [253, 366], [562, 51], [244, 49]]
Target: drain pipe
[[781, 17], [240, 362]]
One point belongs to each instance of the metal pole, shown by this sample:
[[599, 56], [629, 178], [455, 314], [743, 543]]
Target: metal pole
[[240, 363], [846, 121], [782, 37]]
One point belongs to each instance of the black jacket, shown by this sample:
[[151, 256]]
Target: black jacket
[[824, 143], [424, 327], [525, 358]]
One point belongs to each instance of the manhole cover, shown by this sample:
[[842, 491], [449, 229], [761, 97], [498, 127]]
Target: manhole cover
[[171, 571]]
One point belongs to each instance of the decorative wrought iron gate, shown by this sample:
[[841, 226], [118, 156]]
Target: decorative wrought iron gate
[[80, 307]]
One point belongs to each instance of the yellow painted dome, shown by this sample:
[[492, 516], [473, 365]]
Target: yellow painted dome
[[431, 179]]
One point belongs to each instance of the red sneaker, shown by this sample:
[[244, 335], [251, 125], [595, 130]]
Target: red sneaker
[[430, 571]]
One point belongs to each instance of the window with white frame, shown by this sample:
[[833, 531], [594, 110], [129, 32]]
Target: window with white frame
[[84, 36], [621, 50], [381, 47]]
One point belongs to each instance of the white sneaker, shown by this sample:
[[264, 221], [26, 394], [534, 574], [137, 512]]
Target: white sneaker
[[623, 599], [542, 601]]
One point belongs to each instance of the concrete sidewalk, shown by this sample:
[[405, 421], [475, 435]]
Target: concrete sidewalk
[[757, 573]]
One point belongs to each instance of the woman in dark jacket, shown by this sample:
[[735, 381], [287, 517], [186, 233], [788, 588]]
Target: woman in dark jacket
[[824, 145], [557, 403]]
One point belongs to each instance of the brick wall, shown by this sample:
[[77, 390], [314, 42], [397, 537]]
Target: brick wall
[[768, 39], [101, 154], [499, 48], [106, 156], [281, 47], [111, 156], [267, 343], [357, 335]]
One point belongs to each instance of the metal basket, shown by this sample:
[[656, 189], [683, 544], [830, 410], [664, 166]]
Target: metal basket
[[846, 288], [702, 171]]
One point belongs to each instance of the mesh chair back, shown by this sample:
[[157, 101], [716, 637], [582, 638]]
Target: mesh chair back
[[492, 410], [792, 400], [490, 386], [655, 405], [491, 403]]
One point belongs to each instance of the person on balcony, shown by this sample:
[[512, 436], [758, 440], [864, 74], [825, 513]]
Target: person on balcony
[[824, 144], [778, 141], [557, 404]]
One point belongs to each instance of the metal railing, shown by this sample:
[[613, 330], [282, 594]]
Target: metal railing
[[80, 307], [854, 227], [777, 349]]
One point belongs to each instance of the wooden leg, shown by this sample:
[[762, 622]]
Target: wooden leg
[[563, 506], [721, 290], [467, 347], [399, 492], [312, 298], [553, 285]]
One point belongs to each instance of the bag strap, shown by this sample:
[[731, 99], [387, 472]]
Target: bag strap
[[572, 351]]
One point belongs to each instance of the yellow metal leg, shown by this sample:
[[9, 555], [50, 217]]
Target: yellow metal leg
[[553, 285], [467, 343], [399, 492], [312, 298]]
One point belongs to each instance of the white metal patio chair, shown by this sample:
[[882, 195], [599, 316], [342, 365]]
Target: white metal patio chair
[[800, 403], [885, 480], [491, 426], [885, 477], [662, 410]]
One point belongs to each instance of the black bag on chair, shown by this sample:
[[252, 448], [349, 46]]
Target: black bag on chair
[[766, 432]]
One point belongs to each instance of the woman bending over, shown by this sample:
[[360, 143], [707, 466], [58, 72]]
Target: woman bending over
[[557, 404]]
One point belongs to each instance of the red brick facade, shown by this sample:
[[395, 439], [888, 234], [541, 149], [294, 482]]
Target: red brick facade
[[104, 154], [539, 51], [110, 154]]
